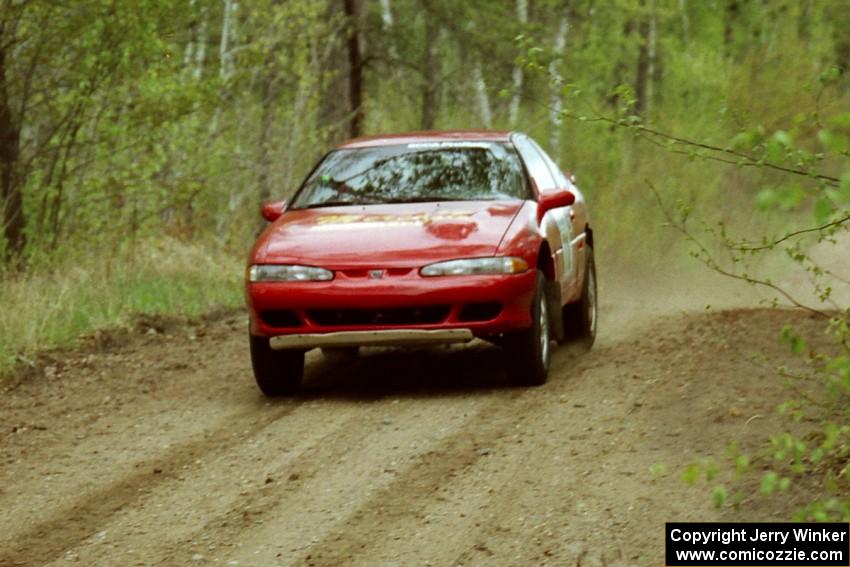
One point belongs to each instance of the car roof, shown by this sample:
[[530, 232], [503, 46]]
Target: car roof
[[427, 136]]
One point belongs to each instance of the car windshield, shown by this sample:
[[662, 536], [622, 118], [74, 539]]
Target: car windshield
[[417, 172]]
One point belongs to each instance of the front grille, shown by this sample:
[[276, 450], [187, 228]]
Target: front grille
[[479, 312], [404, 316], [280, 318]]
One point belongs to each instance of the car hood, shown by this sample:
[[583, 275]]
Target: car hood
[[392, 235]]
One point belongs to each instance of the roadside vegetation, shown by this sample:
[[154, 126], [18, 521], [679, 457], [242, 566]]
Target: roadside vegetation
[[137, 140], [54, 305]]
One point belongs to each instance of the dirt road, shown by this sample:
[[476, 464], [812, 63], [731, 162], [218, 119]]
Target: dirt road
[[157, 449]]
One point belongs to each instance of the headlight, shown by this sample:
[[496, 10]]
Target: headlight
[[475, 266], [287, 273]]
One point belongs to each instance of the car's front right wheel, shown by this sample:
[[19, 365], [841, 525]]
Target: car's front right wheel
[[528, 351], [277, 372]]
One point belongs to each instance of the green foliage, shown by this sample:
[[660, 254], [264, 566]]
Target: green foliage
[[75, 295], [759, 111], [150, 131], [719, 495]]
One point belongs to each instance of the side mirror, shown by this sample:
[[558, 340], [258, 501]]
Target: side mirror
[[554, 200], [272, 211]]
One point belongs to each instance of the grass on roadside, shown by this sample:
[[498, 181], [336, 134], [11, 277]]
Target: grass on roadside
[[45, 308]]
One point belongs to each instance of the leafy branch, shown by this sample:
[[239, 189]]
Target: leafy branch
[[706, 257], [770, 245], [720, 153]]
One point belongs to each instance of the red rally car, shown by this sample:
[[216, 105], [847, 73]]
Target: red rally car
[[423, 238]]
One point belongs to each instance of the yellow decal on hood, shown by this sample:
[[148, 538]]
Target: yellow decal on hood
[[418, 218]]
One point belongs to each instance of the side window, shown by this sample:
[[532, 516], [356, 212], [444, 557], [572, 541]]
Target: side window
[[535, 163], [560, 178]]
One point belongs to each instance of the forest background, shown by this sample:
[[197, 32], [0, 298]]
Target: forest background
[[138, 138]]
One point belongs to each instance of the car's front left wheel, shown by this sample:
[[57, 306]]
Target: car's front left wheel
[[528, 351], [277, 372]]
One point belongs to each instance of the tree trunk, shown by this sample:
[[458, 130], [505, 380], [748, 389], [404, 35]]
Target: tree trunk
[[429, 87], [686, 22], [355, 69], [621, 66], [389, 22], [267, 118], [225, 52], [642, 77], [189, 50], [484, 110], [653, 67], [516, 98], [730, 20], [201, 49], [840, 20], [557, 85], [11, 198]]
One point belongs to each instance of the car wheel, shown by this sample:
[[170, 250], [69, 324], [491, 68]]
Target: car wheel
[[580, 317], [528, 351], [278, 372]]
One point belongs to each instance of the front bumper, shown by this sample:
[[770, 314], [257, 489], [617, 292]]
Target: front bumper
[[478, 305], [394, 337]]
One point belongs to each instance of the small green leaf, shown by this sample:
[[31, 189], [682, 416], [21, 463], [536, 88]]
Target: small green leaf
[[832, 141], [783, 138], [691, 474], [769, 482], [710, 470], [830, 75], [844, 187], [766, 198], [742, 463], [841, 120], [823, 210], [774, 150], [790, 197], [719, 495], [746, 140]]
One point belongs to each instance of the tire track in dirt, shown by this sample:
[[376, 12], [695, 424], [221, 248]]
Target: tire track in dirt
[[352, 431], [66, 528], [412, 503], [332, 475], [409, 494], [184, 513]]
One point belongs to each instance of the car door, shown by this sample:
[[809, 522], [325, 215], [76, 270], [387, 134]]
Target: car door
[[578, 220], [557, 225]]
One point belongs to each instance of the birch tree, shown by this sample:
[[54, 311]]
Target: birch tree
[[557, 85], [484, 110], [227, 32], [516, 98]]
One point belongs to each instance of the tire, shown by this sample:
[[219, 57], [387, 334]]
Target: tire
[[277, 372], [580, 317], [528, 351]]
